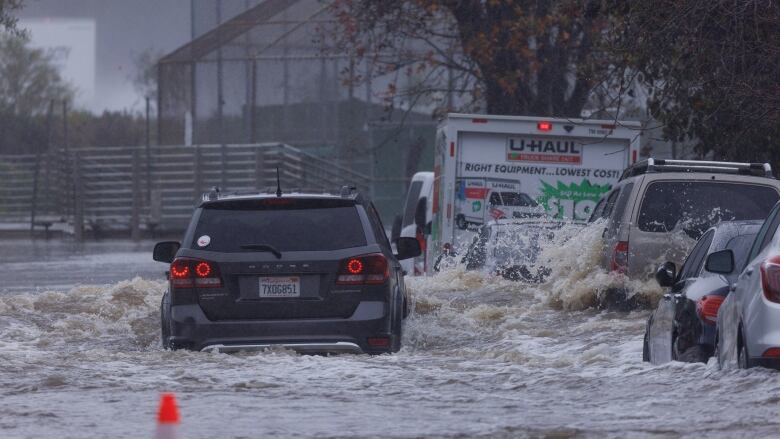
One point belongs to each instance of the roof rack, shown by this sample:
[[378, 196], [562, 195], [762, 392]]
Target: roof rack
[[345, 192], [651, 165]]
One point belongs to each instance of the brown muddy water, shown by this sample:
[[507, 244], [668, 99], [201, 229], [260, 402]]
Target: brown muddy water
[[482, 357]]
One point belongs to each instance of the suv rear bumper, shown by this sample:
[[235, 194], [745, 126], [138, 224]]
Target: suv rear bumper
[[191, 329]]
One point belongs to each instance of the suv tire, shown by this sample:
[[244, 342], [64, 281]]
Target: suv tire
[[397, 323], [165, 323]]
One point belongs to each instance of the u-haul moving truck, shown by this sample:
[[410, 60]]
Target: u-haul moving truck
[[563, 165]]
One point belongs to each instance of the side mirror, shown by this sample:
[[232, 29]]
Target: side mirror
[[407, 248], [720, 262], [165, 251], [421, 212], [666, 274], [395, 232]]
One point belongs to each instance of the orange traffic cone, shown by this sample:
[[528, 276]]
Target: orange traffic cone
[[168, 418]]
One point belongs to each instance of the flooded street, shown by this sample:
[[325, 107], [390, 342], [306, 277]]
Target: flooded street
[[482, 357]]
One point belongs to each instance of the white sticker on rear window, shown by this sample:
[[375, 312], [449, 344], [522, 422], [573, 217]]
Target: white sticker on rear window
[[204, 241]]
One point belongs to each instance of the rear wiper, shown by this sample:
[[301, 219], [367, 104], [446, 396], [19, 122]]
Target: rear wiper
[[264, 247]]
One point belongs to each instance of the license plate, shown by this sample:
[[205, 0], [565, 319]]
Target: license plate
[[280, 286]]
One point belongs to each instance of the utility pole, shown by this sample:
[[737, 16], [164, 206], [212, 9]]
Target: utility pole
[[65, 125], [148, 153]]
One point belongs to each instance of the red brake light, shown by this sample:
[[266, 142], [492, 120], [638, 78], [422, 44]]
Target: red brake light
[[619, 261], [707, 308], [354, 266], [194, 273], [772, 353], [203, 269], [180, 269], [770, 279], [378, 342], [544, 126], [368, 269]]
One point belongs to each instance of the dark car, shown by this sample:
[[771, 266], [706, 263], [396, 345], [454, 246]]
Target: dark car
[[683, 327], [510, 248], [310, 272]]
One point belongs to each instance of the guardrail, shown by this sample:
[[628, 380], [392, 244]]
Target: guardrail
[[132, 189]]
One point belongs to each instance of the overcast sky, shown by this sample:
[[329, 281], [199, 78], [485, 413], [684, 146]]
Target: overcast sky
[[103, 37]]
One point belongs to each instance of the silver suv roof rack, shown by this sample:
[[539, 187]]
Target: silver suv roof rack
[[662, 165]]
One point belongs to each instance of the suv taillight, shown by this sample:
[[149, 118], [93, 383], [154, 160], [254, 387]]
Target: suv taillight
[[361, 270], [770, 279], [619, 261], [194, 273], [707, 308]]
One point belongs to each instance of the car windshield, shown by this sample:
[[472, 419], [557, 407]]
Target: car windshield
[[696, 206], [296, 225], [517, 199]]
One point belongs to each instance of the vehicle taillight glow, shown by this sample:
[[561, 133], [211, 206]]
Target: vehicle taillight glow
[[770, 279], [203, 269], [364, 270], [544, 126], [619, 261], [194, 273], [180, 269], [378, 342], [707, 308], [354, 266], [772, 353]]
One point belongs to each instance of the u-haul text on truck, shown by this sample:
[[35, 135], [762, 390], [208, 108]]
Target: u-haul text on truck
[[490, 167]]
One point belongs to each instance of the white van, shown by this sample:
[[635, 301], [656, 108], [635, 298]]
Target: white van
[[419, 200]]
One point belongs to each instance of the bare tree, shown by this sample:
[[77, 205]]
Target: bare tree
[[7, 18], [503, 57], [29, 78]]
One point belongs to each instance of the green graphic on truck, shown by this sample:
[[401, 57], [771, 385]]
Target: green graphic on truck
[[571, 200]]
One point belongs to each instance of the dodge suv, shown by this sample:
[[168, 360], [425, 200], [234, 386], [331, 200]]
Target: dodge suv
[[310, 272]]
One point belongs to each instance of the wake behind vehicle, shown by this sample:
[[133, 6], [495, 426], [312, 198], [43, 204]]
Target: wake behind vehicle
[[749, 319], [682, 328], [660, 207], [309, 272], [511, 248]]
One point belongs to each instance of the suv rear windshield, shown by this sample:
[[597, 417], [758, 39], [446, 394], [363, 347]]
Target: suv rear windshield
[[695, 206], [283, 223]]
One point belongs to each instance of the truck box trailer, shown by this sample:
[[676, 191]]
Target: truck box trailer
[[515, 166]]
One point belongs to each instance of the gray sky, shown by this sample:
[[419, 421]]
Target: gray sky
[[105, 36]]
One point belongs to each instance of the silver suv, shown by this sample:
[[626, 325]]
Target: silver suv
[[659, 208]]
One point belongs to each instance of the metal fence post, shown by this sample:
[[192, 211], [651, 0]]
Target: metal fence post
[[78, 199], [36, 177], [198, 177], [135, 216]]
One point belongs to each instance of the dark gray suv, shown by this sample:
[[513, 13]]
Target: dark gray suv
[[311, 272]]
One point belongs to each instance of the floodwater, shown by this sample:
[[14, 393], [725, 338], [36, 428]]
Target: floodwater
[[482, 357]]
